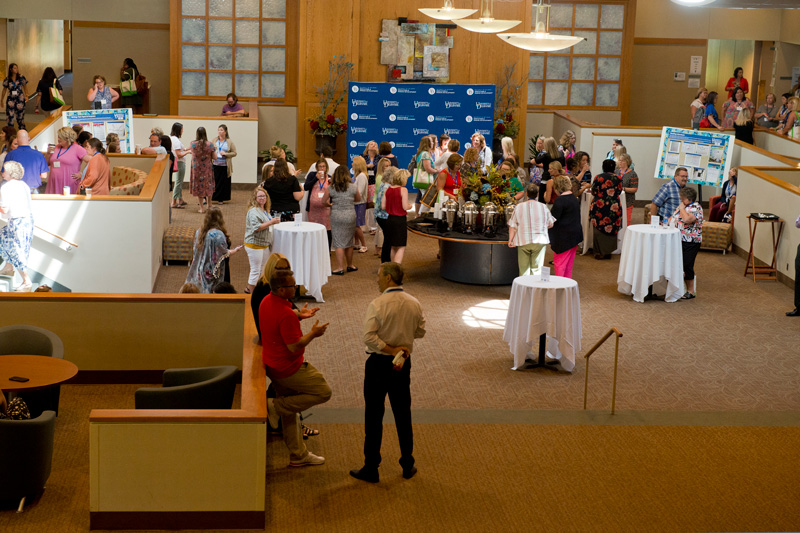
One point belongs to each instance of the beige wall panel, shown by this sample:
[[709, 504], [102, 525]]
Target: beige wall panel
[[142, 11], [278, 123], [790, 22], [744, 24], [148, 48], [668, 20], [608, 118], [657, 100], [140, 334], [778, 144], [205, 467], [788, 56]]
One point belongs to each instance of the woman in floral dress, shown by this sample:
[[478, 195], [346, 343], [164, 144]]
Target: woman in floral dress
[[202, 173], [211, 247], [606, 211], [732, 107], [14, 86]]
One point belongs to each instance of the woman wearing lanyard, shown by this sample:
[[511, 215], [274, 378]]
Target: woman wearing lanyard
[[372, 158], [64, 160], [448, 182], [319, 201], [223, 167], [100, 94], [96, 174]]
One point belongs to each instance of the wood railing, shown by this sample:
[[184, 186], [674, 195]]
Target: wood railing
[[612, 331]]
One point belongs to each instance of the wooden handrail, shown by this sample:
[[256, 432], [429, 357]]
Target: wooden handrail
[[57, 236], [612, 331]]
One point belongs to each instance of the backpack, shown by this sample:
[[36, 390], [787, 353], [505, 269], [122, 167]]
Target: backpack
[[700, 114], [413, 164]]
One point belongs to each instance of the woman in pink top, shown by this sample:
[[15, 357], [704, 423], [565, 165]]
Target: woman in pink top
[[65, 160], [395, 203]]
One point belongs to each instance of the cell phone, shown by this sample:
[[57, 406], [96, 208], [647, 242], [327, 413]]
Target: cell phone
[[18, 378]]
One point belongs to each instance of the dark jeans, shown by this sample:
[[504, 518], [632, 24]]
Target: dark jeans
[[690, 250], [380, 379]]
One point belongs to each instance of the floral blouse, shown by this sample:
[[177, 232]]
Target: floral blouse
[[606, 210], [689, 232]]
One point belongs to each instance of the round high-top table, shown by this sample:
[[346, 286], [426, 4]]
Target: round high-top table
[[549, 311], [651, 256], [41, 371], [306, 247]]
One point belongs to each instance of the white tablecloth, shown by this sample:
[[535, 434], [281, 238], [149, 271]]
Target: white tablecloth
[[537, 307], [306, 247], [586, 222], [651, 256]]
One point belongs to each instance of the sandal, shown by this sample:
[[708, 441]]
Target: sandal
[[338, 272], [362, 250], [352, 269], [309, 432], [246, 290], [688, 296]]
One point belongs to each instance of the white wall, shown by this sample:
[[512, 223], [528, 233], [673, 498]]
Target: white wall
[[777, 144]]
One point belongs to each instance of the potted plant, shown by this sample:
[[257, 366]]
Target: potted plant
[[325, 125]]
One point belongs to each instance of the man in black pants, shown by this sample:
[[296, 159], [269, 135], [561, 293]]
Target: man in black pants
[[796, 311], [394, 319]]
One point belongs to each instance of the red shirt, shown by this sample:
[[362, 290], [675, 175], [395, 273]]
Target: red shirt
[[279, 328], [394, 202]]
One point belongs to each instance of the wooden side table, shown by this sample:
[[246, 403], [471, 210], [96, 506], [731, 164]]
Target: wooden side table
[[768, 272]]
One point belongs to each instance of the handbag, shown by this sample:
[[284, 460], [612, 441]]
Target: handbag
[[127, 88], [705, 123], [55, 97], [422, 180], [141, 83]]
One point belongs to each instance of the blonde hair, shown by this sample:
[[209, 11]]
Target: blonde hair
[[701, 91], [566, 139], [508, 145], [400, 177], [254, 202], [14, 169], [359, 165], [793, 100], [68, 134], [269, 266], [551, 148], [619, 151], [157, 131], [480, 138], [471, 155], [189, 288], [562, 184], [275, 151], [626, 158], [383, 162], [556, 165]]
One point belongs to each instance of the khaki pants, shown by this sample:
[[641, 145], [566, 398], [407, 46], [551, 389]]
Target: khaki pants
[[300, 391], [530, 258]]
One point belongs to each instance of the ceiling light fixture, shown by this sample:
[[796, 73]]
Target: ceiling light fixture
[[693, 3], [486, 23], [540, 39], [448, 12]]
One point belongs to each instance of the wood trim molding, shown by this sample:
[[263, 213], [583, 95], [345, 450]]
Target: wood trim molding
[[120, 25], [616, 134], [174, 56], [670, 41], [762, 172]]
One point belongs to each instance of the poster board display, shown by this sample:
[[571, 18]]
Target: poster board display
[[101, 122], [706, 155], [402, 113]]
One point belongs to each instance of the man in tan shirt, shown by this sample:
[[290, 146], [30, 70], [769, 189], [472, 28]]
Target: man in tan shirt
[[394, 319]]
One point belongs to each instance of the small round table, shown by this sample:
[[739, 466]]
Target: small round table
[[306, 247], [41, 371], [651, 256]]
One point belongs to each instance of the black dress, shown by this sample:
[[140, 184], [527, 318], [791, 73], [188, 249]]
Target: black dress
[[43, 89], [544, 159], [744, 133], [566, 232]]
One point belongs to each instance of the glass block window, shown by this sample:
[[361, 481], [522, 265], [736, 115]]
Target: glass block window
[[233, 46], [589, 74]]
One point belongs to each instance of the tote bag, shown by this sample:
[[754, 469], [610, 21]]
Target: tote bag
[[127, 88], [422, 180], [55, 96]]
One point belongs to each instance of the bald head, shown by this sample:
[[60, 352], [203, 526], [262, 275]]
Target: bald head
[[23, 139]]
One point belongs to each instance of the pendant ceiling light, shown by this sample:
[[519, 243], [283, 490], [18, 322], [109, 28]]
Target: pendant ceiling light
[[540, 39], [486, 23], [448, 12], [693, 3]]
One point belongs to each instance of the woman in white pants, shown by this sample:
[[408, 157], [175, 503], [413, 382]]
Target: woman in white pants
[[257, 235]]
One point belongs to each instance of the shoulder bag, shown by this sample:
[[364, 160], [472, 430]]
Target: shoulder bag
[[422, 180], [55, 97]]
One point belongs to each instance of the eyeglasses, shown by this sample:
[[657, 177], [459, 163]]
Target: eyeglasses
[[289, 287]]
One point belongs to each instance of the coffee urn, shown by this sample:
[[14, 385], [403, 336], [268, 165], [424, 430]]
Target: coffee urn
[[469, 217]]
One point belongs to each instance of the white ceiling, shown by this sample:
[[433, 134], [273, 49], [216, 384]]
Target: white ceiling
[[757, 4]]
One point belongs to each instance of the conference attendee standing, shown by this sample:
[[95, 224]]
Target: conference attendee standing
[[211, 247], [202, 177], [767, 114], [606, 211], [392, 322], [101, 95], [32, 161], [44, 100], [630, 183], [385, 150], [16, 236], [257, 234], [743, 126], [14, 85], [566, 233], [697, 108], [298, 385], [549, 155], [97, 175], [395, 203], [667, 197], [130, 71], [284, 191], [223, 166], [527, 232], [319, 199], [737, 81], [180, 152], [796, 311], [733, 107], [361, 182], [65, 159], [711, 112], [688, 218], [343, 196]]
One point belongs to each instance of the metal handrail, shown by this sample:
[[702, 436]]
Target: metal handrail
[[612, 331]]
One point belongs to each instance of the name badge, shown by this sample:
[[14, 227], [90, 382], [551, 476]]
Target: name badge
[[14, 93], [320, 194], [56, 164], [104, 101]]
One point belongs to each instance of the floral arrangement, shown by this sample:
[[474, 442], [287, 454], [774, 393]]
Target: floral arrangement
[[330, 96], [506, 99], [506, 128], [492, 187]]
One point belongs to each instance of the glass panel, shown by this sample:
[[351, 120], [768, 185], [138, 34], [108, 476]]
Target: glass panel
[[219, 83], [581, 93], [561, 16], [535, 93], [607, 95], [246, 9], [273, 33], [273, 59], [557, 68], [556, 93], [220, 31], [612, 16], [273, 85], [194, 57], [247, 59], [246, 84], [194, 7], [610, 43], [220, 8], [220, 58], [273, 9], [536, 67], [608, 68], [193, 83], [589, 46], [246, 32], [583, 68], [586, 16], [193, 31]]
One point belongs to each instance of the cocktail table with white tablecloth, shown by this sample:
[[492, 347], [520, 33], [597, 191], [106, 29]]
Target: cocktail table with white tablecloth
[[306, 246], [544, 307], [651, 256], [586, 222]]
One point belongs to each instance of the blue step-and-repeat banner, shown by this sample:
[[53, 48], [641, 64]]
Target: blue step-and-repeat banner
[[402, 113]]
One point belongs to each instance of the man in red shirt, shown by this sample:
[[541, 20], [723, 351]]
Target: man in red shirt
[[298, 385]]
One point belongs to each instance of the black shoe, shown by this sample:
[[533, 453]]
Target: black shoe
[[796, 312], [408, 473], [370, 476]]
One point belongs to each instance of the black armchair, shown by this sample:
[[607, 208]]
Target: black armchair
[[26, 447], [191, 388]]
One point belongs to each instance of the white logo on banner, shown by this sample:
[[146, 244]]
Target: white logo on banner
[[448, 105], [357, 130], [470, 91], [391, 103], [452, 131], [353, 144], [430, 118], [418, 104], [355, 88], [469, 118], [482, 105], [390, 131], [358, 102], [391, 143], [420, 131], [392, 117], [393, 90], [354, 116], [431, 91]]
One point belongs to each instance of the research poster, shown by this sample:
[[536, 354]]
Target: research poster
[[706, 155], [101, 122]]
